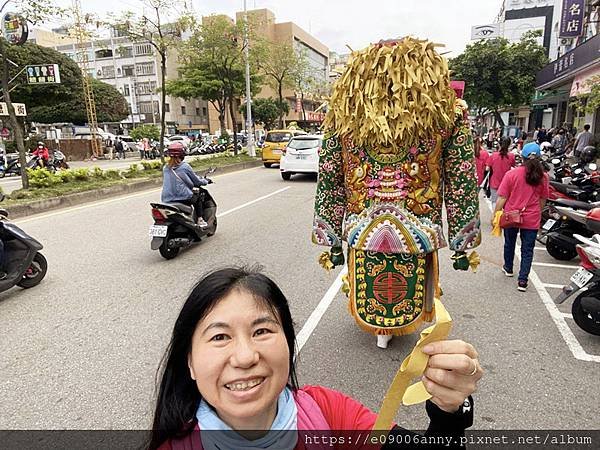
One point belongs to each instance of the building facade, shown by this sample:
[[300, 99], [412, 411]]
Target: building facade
[[134, 69], [304, 111]]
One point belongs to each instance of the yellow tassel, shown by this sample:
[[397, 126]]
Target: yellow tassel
[[325, 261], [474, 261], [497, 231]]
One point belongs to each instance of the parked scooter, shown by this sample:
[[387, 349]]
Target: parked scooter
[[58, 160], [586, 282], [9, 165], [25, 266], [176, 225]]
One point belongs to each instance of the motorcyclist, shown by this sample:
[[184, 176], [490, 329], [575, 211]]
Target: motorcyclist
[[42, 153], [179, 179]]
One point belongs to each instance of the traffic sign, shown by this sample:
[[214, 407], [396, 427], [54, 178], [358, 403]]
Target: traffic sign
[[43, 74], [20, 109]]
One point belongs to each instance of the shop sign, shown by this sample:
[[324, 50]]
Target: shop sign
[[571, 22], [316, 116], [563, 64], [14, 29], [20, 110], [491, 31], [509, 5], [43, 74]]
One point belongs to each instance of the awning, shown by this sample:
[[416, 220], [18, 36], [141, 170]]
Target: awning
[[550, 97], [582, 82]]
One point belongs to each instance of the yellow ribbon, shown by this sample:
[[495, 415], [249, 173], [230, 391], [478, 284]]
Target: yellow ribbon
[[497, 231], [474, 261], [413, 367]]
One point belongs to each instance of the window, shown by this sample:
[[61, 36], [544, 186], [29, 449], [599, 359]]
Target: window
[[145, 87], [148, 107], [126, 91], [108, 72], [127, 71], [125, 52], [204, 110], [197, 111], [104, 53], [183, 110], [143, 49], [167, 107], [144, 68]]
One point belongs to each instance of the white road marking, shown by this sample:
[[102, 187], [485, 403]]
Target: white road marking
[[111, 200], [253, 201], [558, 266], [315, 317], [553, 286], [567, 315], [557, 316]]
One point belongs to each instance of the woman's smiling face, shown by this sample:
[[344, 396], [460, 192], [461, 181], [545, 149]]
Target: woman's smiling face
[[240, 361]]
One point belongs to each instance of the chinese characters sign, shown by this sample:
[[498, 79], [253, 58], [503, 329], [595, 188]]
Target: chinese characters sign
[[43, 74], [571, 23], [14, 29], [563, 64], [19, 109]]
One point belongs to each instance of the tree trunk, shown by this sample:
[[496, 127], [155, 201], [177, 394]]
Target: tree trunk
[[163, 99], [303, 108], [234, 124], [18, 132], [281, 119], [498, 119]]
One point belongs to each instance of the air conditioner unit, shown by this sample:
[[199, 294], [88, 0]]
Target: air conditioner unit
[[565, 41]]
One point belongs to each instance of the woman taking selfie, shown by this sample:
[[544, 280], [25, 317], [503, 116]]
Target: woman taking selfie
[[230, 366], [524, 189]]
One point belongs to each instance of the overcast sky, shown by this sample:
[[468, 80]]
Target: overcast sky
[[356, 23]]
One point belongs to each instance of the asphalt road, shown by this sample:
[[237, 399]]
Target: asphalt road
[[81, 350]]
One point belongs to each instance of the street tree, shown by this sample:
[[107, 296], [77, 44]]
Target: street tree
[[278, 62], [148, 131], [212, 67], [266, 111], [588, 103], [33, 11], [152, 26], [499, 74], [64, 102]]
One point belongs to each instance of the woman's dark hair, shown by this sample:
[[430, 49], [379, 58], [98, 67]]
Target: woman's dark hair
[[504, 144], [477, 146], [534, 171], [178, 396]]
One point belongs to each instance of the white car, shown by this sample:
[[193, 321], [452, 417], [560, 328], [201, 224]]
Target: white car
[[186, 141], [301, 155]]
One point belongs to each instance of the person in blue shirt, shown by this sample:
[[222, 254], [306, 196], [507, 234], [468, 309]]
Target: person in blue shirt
[[179, 179]]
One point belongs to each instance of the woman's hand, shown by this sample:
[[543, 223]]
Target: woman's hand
[[452, 373]]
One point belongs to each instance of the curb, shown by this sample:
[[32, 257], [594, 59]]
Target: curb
[[78, 198]]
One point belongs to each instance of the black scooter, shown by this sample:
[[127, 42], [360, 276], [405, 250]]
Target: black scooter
[[25, 266], [176, 225]]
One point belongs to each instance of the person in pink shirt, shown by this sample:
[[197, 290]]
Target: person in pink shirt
[[524, 189], [481, 159], [499, 163]]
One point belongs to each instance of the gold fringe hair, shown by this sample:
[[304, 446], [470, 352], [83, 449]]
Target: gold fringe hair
[[393, 95]]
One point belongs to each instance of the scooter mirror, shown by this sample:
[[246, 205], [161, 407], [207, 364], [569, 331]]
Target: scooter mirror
[[577, 171], [592, 166], [556, 161]]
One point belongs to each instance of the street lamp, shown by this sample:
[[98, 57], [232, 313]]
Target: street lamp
[[249, 127]]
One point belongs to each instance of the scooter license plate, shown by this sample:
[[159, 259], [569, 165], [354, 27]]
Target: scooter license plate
[[549, 224], [158, 230], [581, 277]]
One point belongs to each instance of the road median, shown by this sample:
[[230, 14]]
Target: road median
[[94, 191]]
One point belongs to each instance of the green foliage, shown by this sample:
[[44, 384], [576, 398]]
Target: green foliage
[[133, 171], [81, 174], [42, 178], [499, 74], [151, 132], [266, 111], [67, 176], [151, 165], [62, 102], [590, 102], [112, 174]]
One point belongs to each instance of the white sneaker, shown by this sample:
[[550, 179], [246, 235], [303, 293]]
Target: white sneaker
[[383, 340]]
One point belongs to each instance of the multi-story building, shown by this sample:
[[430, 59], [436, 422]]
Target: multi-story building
[[337, 64], [317, 54], [134, 69]]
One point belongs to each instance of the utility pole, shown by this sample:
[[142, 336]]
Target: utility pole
[[249, 127]]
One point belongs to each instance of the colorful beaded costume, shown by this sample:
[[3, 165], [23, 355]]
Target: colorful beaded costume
[[397, 147]]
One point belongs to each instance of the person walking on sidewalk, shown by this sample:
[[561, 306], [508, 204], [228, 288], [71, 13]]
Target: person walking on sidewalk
[[524, 189], [499, 163], [481, 159]]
